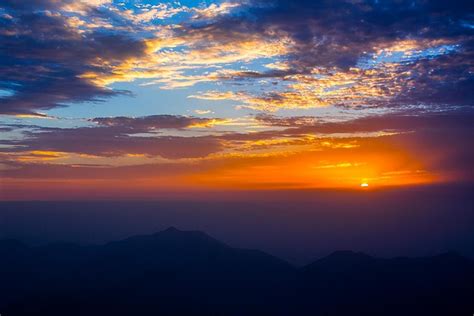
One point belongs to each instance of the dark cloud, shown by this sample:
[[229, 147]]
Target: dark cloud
[[152, 122], [43, 58], [294, 121], [441, 140], [31, 5], [456, 123], [404, 122], [57, 171], [336, 35], [117, 136], [445, 80]]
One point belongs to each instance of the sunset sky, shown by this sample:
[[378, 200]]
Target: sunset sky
[[114, 98]]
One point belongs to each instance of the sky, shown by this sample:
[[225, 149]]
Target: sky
[[128, 99]]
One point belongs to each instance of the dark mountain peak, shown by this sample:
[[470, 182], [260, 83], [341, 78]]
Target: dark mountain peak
[[172, 229], [349, 255], [170, 239], [174, 234]]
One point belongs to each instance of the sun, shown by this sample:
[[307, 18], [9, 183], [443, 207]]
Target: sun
[[364, 185]]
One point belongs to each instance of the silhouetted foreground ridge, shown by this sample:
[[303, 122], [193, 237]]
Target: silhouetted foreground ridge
[[177, 272]]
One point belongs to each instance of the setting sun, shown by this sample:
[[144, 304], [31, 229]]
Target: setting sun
[[364, 185]]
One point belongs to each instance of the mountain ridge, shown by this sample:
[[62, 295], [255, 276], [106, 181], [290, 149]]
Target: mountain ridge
[[176, 272]]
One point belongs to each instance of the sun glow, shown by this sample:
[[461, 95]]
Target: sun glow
[[364, 185]]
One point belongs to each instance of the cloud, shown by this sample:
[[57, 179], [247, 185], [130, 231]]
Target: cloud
[[153, 122], [149, 13], [121, 136], [285, 121], [410, 147], [43, 60], [53, 5], [323, 53], [407, 121], [337, 33], [102, 142], [56, 53], [202, 112], [411, 62], [355, 53], [214, 10]]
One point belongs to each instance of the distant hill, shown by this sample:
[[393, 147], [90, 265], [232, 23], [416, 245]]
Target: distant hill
[[177, 272]]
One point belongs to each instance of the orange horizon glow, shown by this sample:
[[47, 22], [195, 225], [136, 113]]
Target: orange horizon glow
[[375, 165]]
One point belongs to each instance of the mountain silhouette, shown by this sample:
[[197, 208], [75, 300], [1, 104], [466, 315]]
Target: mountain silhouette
[[176, 272]]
